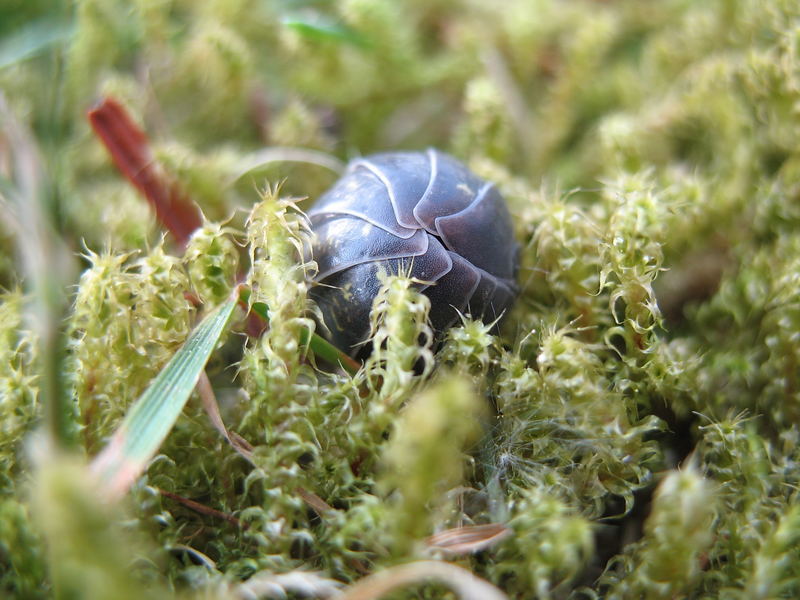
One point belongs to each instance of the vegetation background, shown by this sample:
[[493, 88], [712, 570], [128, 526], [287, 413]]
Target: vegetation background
[[631, 433]]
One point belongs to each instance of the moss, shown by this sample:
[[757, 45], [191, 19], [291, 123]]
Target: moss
[[129, 316], [632, 422], [21, 551], [425, 456], [670, 558], [20, 409]]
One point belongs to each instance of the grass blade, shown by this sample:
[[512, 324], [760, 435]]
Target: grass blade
[[266, 156], [324, 349], [32, 39], [319, 345], [152, 416], [26, 201], [319, 27]]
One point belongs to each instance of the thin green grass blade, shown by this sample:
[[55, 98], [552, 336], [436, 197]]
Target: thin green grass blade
[[152, 416], [324, 349], [33, 39], [26, 204], [319, 27], [319, 345]]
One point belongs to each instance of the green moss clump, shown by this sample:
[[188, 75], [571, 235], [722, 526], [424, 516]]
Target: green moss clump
[[425, 457], [671, 556], [631, 426], [20, 409], [130, 315]]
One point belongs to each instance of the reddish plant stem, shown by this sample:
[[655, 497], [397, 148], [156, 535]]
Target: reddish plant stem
[[130, 151], [203, 509]]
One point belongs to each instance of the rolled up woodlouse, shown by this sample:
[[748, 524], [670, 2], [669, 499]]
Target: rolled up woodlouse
[[422, 213]]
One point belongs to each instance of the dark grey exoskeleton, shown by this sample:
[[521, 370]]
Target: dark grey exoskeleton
[[422, 212]]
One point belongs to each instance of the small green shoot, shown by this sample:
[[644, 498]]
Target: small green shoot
[[319, 345]]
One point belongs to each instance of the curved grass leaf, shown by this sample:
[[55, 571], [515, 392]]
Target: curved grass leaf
[[152, 416], [320, 27], [319, 345], [32, 39], [280, 154], [325, 350]]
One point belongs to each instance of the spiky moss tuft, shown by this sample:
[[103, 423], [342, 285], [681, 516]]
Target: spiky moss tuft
[[76, 525], [550, 545], [425, 457], [627, 141], [562, 428], [129, 317], [401, 339], [672, 555], [20, 409], [278, 237], [22, 550], [212, 261]]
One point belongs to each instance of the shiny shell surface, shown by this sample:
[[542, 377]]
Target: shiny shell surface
[[418, 212]]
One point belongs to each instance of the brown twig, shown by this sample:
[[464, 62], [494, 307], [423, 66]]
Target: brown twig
[[203, 509], [319, 505], [130, 151]]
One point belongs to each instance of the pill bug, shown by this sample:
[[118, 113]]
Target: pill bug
[[418, 211]]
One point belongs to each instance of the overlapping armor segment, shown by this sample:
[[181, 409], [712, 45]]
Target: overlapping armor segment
[[423, 214]]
